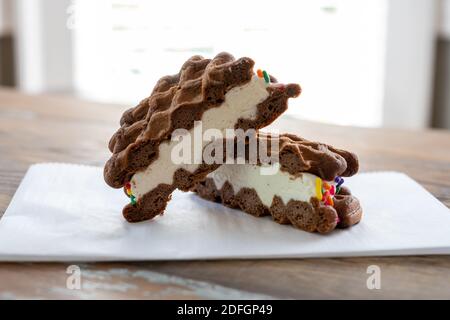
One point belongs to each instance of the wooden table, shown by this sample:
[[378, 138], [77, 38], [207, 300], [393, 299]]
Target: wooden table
[[56, 128]]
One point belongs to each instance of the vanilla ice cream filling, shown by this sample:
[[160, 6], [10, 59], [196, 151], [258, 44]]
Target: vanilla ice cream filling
[[282, 184], [239, 102]]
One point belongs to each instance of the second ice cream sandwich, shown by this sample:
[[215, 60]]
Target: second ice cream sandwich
[[307, 191]]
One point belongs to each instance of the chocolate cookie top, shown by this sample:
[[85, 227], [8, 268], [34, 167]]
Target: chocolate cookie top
[[176, 102], [300, 155], [297, 155]]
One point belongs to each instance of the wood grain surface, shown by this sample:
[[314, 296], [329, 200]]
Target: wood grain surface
[[57, 128]]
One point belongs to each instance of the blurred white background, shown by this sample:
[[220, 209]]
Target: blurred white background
[[359, 62]]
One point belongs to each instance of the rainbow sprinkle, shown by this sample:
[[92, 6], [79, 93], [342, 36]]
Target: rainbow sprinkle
[[266, 76], [339, 181], [130, 193], [319, 188], [325, 191], [263, 74], [259, 73], [329, 200], [332, 190]]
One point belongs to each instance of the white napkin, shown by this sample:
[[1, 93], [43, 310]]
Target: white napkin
[[66, 212]]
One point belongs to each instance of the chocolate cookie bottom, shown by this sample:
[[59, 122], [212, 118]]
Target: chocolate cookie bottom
[[154, 203], [313, 216]]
